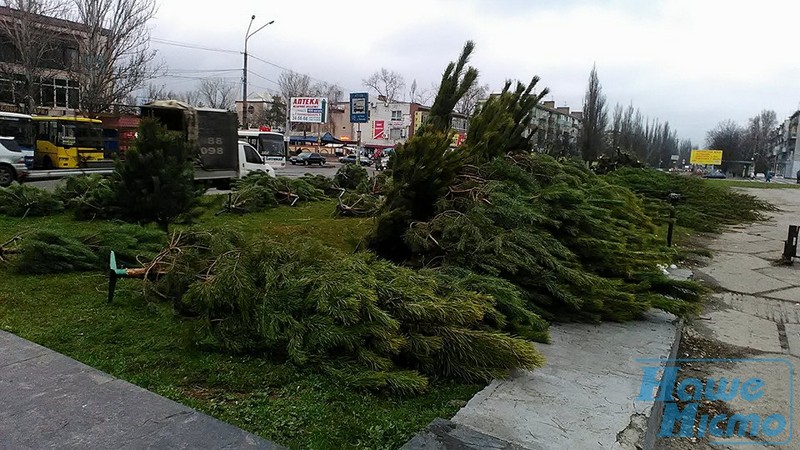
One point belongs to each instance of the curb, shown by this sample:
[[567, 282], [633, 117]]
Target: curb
[[657, 412], [443, 434]]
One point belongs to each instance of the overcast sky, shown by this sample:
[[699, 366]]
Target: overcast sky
[[692, 63]]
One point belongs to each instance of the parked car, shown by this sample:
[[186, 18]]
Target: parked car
[[719, 175], [351, 159], [12, 162], [307, 159]]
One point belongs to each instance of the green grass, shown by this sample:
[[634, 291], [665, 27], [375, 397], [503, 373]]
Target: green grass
[[147, 344], [756, 184]]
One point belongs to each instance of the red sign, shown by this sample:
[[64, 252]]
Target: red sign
[[306, 101], [378, 129]]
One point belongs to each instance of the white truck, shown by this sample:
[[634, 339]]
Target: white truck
[[221, 157]]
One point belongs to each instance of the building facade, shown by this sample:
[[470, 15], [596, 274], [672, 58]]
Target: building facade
[[785, 157], [390, 123], [55, 89], [555, 126]]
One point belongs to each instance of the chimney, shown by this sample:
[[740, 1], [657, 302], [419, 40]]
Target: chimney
[[577, 114], [550, 104], [563, 109]]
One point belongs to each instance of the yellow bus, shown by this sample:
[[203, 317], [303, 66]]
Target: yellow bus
[[67, 142]]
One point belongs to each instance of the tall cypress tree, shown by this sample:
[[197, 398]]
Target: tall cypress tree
[[595, 119]]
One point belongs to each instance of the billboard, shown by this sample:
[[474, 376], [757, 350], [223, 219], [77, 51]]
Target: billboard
[[308, 109], [358, 107], [706, 157], [379, 129]]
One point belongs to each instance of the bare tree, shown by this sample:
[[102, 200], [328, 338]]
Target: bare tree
[[729, 137], [293, 84], [115, 55], [470, 100], [32, 41], [595, 119], [217, 93], [333, 92], [387, 84], [192, 97]]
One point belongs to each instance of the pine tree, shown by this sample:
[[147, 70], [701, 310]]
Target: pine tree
[[155, 182]]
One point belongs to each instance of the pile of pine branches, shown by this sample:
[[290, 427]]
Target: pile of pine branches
[[45, 252], [22, 200], [575, 246], [369, 322], [702, 206]]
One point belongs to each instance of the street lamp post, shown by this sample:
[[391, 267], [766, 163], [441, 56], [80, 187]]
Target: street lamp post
[[247, 36]]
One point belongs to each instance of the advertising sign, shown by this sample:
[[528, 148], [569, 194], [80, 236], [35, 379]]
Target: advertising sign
[[358, 107], [308, 109], [378, 129], [706, 157]]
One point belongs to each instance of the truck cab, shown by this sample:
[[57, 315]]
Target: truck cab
[[251, 161]]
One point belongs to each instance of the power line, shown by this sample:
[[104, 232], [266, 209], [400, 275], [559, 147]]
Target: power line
[[193, 46], [262, 77], [220, 50], [203, 70]]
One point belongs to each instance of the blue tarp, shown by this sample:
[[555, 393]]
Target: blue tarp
[[302, 139], [328, 138]]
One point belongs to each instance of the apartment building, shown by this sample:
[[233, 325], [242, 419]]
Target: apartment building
[[785, 158], [555, 125]]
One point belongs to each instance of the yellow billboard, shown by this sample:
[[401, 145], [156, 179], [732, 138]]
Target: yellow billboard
[[706, 157]]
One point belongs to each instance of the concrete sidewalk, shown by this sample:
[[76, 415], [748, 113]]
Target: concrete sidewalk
[[48, 400], [585, 397], [754, 314]]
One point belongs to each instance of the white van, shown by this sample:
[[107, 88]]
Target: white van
[[252, 161]]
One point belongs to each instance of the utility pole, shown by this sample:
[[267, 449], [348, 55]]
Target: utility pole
[[244, 72]]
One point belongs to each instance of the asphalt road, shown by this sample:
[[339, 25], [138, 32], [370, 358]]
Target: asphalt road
[[290, 171]]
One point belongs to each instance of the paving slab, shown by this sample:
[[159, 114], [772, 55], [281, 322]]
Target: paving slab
[[777, 311], [787, 274], [585, 395], [443, 434], [743, 330], [793, 338], [52, 401], [790, 295], [739, 272]]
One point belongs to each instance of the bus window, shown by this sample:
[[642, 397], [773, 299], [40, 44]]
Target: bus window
[[272, 145]]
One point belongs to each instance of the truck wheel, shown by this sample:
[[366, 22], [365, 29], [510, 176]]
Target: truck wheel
[[7, 175], [47, 163]]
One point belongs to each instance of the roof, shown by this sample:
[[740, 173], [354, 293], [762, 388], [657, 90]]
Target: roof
[[15, 115], [68, 119]]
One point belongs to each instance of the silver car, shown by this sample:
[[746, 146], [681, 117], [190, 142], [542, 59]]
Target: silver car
[[12, 162]]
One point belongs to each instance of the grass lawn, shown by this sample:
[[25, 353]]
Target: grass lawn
[[756, 184], [147, 344]]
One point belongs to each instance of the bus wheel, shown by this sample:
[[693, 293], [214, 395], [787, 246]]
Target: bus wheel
[[47, 163], [6, 176]]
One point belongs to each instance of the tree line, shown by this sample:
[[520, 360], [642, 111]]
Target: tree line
[[742, 144], [653, 143]]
